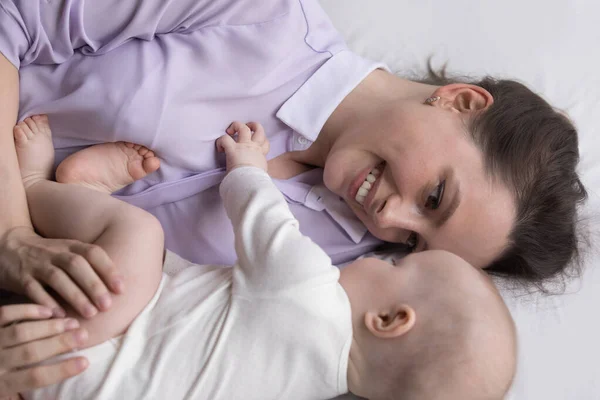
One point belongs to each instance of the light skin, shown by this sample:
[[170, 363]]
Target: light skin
[[381, 318], [383, 119], [422, 146], [29, 262], [382, 308], [26, 259], [27, 336], [130, 236], [384, 320], [125, 233]]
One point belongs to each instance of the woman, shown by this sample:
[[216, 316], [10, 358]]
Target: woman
[[508, 183]]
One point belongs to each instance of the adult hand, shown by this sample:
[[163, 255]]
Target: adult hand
[[28, 337], [80, 273], [12, 397]]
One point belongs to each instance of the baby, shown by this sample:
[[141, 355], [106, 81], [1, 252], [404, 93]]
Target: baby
[[283, 323]]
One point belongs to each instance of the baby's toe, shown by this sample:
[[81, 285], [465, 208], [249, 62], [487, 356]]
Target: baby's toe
[[42, 123], [20, 136], [142, 151], [40, 118], [32, 125], [151, 164], [24, 127]]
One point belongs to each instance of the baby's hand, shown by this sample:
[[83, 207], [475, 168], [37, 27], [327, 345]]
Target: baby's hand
[[250, 148]]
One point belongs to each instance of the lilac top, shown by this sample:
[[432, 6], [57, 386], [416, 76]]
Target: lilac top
[[172, 75]]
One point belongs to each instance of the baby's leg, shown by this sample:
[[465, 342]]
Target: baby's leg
[[131, 237]]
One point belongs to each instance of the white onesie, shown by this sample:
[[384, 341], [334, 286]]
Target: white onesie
[[277, 325]]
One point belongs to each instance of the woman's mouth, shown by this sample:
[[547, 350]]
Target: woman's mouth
[[368, 183]]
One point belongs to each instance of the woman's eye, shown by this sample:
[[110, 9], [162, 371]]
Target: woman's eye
[[435, 197], [412, 241]]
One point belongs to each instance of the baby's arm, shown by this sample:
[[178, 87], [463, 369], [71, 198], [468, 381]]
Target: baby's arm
[[267, 235]]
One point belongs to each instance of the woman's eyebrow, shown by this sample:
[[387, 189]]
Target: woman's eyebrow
[[447, 214]]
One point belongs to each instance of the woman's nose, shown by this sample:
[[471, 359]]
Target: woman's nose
[[395, 213]]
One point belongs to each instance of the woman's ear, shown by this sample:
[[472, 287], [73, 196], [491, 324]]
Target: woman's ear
[[463, 98], [391, 323]]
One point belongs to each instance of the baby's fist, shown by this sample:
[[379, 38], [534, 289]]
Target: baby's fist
[[250, 148]]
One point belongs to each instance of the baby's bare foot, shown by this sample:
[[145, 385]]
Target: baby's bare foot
[[35, 151], [107, 167]]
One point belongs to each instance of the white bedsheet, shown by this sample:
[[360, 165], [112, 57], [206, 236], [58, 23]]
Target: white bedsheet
[[552, 47]]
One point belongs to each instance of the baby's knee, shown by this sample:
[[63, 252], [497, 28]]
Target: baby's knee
[[139, 225], [149, 226]]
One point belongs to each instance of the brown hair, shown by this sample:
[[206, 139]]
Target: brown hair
[[532, 148]]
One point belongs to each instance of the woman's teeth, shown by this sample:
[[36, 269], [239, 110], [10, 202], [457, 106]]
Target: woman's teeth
[[363, 191]]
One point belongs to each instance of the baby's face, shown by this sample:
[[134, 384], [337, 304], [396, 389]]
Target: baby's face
[[439, 298], [370, 278]]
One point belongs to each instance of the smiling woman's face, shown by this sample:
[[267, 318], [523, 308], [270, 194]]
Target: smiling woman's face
[[426, 183]]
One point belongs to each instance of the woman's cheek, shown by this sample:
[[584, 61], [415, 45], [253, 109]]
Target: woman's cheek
[[333, 175]]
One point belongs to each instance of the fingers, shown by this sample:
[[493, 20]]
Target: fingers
[[259, 132], [31, 378], [246, 148], [243, 131], [250, 131], [102, 265], [80, 273], [225, 144], [40, 350], [16, 396], [27, 343], [18, 312], [81, 269], [259, 136], [36, 292], [81, 276], [56, 277], [26, 332]]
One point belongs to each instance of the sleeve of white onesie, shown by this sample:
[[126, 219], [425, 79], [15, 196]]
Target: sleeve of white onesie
[[272, 253]]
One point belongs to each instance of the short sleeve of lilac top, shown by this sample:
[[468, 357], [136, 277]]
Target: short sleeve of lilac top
[[172, 75]]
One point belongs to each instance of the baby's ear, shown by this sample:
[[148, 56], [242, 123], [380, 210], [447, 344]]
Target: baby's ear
[[391, 323]]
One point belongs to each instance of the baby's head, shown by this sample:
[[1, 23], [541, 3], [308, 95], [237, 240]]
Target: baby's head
[[430, 328]]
